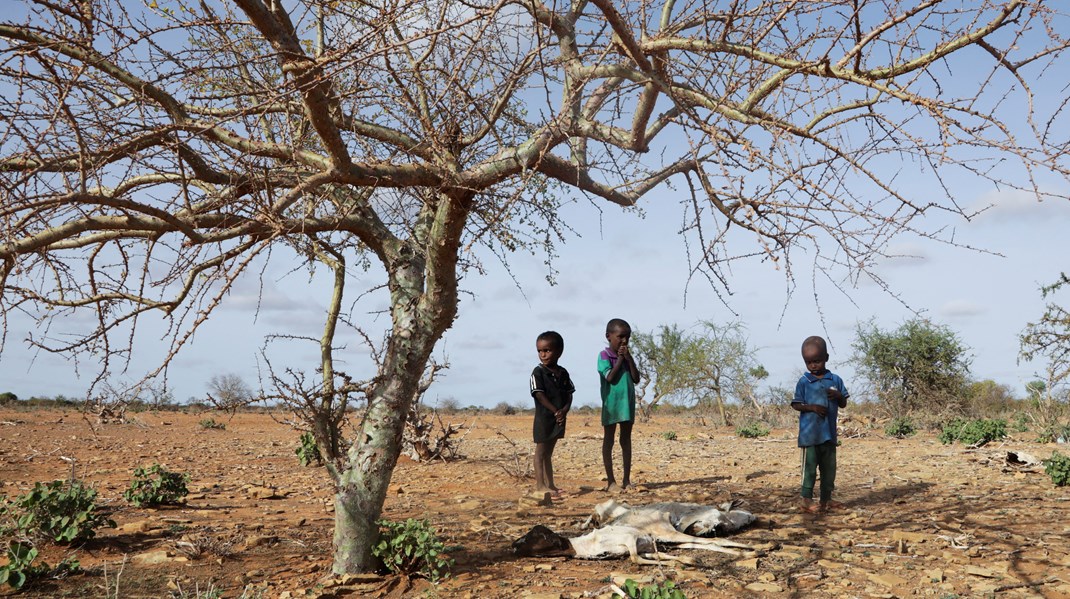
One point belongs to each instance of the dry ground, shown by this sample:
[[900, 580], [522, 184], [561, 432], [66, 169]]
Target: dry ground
[[923, 518]]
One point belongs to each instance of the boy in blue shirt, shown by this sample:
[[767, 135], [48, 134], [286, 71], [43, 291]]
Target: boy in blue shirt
[[818, 396]]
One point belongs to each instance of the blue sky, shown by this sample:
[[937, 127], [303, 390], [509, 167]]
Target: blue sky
[[985, 297]]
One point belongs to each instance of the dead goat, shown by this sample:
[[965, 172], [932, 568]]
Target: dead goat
[[637, 532]]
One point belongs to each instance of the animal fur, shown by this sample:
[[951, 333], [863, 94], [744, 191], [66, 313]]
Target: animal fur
[[637, 532]]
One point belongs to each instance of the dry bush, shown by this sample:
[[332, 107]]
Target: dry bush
[[519, 469], [427, 438]]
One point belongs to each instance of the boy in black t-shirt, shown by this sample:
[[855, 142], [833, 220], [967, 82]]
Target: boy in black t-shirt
[[552, 389]]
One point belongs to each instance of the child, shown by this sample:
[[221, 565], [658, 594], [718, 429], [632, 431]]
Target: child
[[618, 375], [818, 396], [552, 389]]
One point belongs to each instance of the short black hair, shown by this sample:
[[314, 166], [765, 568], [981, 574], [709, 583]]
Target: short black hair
[[616, 324], [815, 341], [554, 338]]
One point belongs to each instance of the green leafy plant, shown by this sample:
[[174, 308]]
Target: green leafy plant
[[973, 432], [1053, 433], [154, 486], [20, 568], [669, 435], [1058, 468], [412, 548], [752, 430], [1020, 424], [59, 511], [664, 590], [900, 428], [210, 423], [308, 452]]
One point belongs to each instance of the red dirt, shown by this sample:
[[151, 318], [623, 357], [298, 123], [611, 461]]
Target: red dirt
[[921, 518]]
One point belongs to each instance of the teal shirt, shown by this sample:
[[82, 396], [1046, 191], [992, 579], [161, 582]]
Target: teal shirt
[[618, 399]]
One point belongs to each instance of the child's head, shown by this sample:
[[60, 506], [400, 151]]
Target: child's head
[[618, 331], [815, 354], [550, 346]]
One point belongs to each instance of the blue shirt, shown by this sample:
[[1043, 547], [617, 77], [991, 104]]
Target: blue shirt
[[815, 429]]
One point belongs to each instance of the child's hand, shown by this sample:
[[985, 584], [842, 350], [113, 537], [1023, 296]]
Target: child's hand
[[834, 394], [819, 409], [622, 351]]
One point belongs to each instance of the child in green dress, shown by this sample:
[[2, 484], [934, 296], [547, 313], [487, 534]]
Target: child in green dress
[[618, 375]]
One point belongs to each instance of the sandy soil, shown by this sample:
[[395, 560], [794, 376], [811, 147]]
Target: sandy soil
[[922, 519]]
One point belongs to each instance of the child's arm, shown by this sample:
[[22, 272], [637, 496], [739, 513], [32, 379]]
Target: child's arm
[[633, 368], [617, 370], [799, 405], [546, 403]]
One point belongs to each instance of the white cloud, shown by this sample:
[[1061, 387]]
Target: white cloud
[[1019, 207], [961, 309]]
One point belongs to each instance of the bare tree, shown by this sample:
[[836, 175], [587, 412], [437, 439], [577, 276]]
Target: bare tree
[[151, 155]]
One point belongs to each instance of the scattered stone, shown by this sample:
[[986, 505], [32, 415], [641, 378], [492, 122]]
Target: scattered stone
[[136, 527], [982, 572], [748, 564], [764, 587], [150, 558], [536, 499], [888, 580]]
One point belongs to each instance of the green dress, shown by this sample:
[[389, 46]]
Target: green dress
[[618, 399]]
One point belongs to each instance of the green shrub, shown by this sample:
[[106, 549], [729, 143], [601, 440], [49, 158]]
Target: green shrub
[[58, 511], [210, 423], [1020, 423], [1058, 468], [669, 435], [665, 590], [308, 452], [900, 428], [156, 486], [20, 568], [1052, 433], [412, 548], [752, 430], [973, 432]]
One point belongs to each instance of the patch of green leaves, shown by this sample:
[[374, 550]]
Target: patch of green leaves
[[752, 430], [155, 485], [973, 432], [669, 435], [412, 548], [210, 423], [58, 511], [1058, 468], [20, 568], [663, 590], [900, 428], [308, 453]]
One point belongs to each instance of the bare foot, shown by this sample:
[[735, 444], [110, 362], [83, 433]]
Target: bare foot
[[829, 506], [612, 488], [809, 507]]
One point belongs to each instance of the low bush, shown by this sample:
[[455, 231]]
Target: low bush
[[752, 430], [669, 435], [900, 428], [973, 432], [308, 453], [154, 486], [1058, 468], [20, 568], [210, 423], [58, 511], [412, 548], [664, 590]]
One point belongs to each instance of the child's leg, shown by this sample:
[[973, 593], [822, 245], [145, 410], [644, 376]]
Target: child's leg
[[540, 467], [827, 465], [548, 464], [626, 452], [608, 431], [809, 472], [809, 477]]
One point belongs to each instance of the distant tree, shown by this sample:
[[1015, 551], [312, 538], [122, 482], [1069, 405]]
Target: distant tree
[[988, 397], [7, 397], [726, 366], [1049, 337], [919, 365], [706, 366], [229, 392], [666, 357]]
